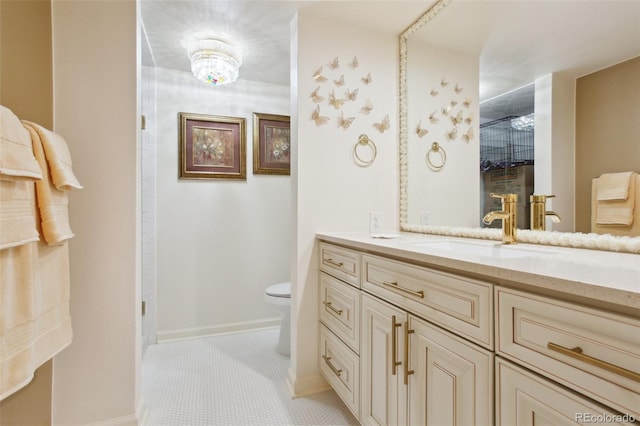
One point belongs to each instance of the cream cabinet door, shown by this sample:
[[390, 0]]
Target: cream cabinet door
[[524, 399], [452, 379], [381, 353]]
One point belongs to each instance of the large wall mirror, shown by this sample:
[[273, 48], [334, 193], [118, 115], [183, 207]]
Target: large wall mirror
[[489, 102]]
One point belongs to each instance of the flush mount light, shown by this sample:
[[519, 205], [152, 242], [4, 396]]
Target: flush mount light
[[214, 61], [525, 122]]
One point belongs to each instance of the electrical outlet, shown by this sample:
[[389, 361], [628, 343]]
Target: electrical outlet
[[425, 217], [375, 222]]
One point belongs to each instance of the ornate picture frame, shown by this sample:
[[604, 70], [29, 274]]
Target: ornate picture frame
[[271, 144], [212, 147]]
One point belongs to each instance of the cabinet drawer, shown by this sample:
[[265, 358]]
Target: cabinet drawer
[[340, 309], [526, 399], [341, 367], [593, 352], [459, 304], [341, 263]]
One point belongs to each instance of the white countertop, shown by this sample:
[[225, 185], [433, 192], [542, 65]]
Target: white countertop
[[603, 276]]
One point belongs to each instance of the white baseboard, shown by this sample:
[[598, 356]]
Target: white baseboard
[[192, 333], [303, 386], [130, 420]]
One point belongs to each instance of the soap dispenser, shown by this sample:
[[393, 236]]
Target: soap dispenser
[[539, 212]]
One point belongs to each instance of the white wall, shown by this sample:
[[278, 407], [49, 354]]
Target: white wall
[[333, 193], [95, 69], [554, 172], [456, 180], [220, 243]]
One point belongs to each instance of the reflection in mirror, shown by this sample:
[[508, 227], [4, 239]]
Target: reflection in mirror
[[494, 84]]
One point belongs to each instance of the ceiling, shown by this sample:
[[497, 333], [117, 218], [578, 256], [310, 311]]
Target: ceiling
[[260, 27], [506, 35]]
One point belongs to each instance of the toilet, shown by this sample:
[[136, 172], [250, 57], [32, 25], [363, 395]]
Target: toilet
[[278, 296]]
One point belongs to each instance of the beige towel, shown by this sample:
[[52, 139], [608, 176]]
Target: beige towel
[[52, 203], [615, 211], [58, 158], [16, 157], [17, 221], [35, 322], [614, 186]]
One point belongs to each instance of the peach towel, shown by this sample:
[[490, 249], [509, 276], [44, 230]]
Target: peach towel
[[17, 222], [16, 157], [52, 203], [615, 193], [58, 157]]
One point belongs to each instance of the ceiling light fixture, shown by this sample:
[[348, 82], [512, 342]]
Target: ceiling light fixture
[[525, 123], [214, 61]]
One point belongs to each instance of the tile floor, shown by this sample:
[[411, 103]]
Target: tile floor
[[233, 379]]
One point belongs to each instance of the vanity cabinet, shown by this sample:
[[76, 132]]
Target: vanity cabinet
[[593, 352], [405, 344]]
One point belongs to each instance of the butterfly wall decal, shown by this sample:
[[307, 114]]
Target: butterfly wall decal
[[367, 79], [383, 125], [432, 118], [467, 102], [366, 108], [446, 110], [458, 89], [335, 102], [469, 119], [339, 82], [354, 63], [335, 64], [452, 134], [434, 92], [319, 119], [457, 119], [469, 135], [444, 83], [317, 76], [315, 97], [344, 122], [420, 131], [351, 95], [453, 103]]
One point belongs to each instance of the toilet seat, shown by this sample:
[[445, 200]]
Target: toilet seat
[[279, 290]]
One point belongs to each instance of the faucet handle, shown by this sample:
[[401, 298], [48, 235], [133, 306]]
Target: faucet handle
[[506, 198], [540, 198]]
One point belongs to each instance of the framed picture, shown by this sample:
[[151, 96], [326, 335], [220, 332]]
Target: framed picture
[[271, 144], [212, 147]]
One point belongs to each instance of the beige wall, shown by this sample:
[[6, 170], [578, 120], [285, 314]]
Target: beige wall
[[607, 111], [26, 76]]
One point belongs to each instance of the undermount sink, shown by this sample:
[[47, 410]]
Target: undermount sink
[[492, 249]]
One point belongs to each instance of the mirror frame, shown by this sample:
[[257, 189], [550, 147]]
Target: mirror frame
[[554, 238]]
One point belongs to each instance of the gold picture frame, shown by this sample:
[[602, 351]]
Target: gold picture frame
[[212, 147], [271, 144]]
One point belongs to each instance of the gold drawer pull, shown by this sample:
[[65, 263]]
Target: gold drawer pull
[[395, 285], [394, 343], [332, 262], [577, 354], [407, 372], [327, 360], [328, 305]]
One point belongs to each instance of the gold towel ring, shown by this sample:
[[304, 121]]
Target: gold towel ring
[[363, 140], [436, 148]]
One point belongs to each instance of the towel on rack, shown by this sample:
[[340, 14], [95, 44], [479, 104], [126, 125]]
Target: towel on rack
[[614, 186], [17, 221], [58, 158], [16, 157], [616, 211], [52, 203], [35, 321]]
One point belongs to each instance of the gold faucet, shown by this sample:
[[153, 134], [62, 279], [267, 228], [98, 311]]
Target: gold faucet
[[507, 215], [539, 212]]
